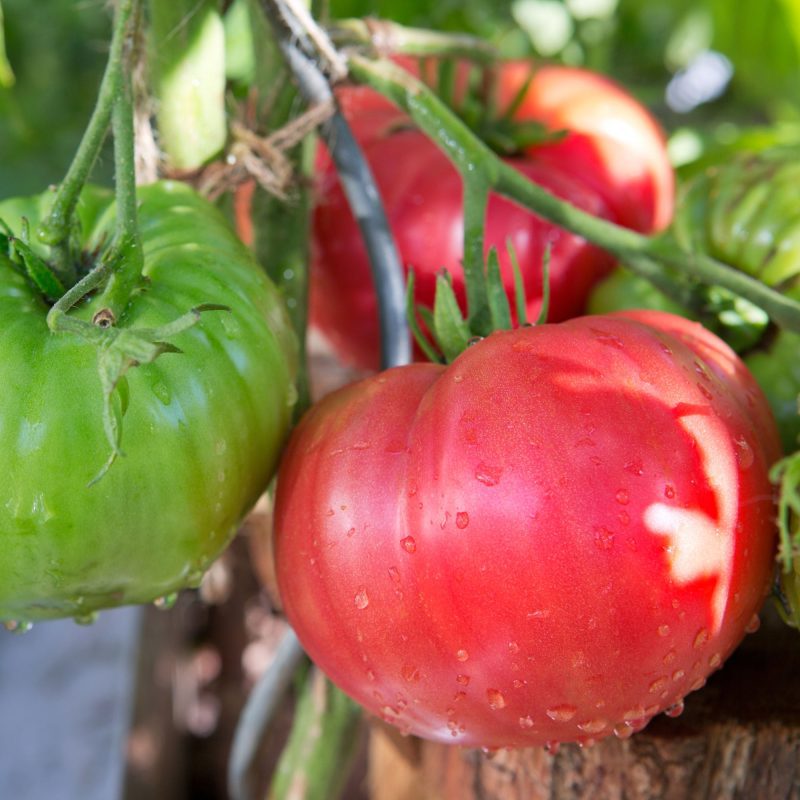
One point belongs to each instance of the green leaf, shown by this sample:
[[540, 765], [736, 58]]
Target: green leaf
[[498, 299], [188, 46], [6, 73], [450, 328]]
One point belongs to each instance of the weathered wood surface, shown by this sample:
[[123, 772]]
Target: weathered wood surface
[[738, 739]]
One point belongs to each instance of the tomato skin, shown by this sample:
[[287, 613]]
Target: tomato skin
[[423, 202], [612, 164], [201, 433], [613, 142], [554, 538]]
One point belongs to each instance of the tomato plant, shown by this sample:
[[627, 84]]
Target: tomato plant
[[201, 428], [612, 163], [555, 537]]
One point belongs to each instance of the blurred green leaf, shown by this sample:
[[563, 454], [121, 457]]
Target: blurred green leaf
[[6, 73]]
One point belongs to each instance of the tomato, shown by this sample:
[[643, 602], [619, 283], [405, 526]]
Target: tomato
[[423, 202], [612, 141], [201, 432], [612, 164], [556, 537]]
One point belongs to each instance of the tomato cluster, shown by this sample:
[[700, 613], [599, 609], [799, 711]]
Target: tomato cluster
[[555, 537], [600, 150]]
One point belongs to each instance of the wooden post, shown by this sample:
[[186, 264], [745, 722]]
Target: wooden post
[[739, 737]]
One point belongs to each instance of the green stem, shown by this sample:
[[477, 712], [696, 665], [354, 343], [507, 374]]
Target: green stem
[[387, 36], [55, 230], [126, 257], [476, 198], [466, 151]]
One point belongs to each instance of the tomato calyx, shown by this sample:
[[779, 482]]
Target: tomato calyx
[[471, 91], [120, 349], [446, 331]]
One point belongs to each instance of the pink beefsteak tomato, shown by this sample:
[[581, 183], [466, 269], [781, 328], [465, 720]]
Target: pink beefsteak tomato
[[553, 539]]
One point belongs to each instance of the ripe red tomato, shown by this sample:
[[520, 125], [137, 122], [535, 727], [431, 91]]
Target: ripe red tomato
[[613, 142], [423, 200], [612, 164], [556, 537]]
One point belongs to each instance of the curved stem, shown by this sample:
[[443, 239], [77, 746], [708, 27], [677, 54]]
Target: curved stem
[[126, 257], [390, 37], [465, 151], [55, 230]]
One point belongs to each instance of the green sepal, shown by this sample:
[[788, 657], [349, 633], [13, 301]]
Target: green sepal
[[413, 311], [499, 307], [450, 328], [520, 286], [119, 350], [24, 259]]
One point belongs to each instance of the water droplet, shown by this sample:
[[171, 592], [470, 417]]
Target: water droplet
[[496, 699], [670, 657], [161, 391], [526, 723], [394, 574], [458, 378], [634, 714], [462, 679], [462, 655], [624, 517], [744, 453], [675, 710], [623, 497], [410, 673], [701, 638], [663, 630], [488, 476], [361, 598], [754, 624], [89, 618], [666, 350], [698, 684], [462, 519], [658, 684], [669, 491], [678, 675], [593, 725], [552, 747], [166, 601], [715, 660], [17, 626], [603, 538], [635, 467], [562, 713], [607, 339], [513, 647], [518, 684], [624, 731], [351, 532], [409, 544]]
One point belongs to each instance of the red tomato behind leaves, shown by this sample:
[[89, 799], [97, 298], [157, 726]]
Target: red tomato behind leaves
[[554, 538], [423, 200], [612, 164]]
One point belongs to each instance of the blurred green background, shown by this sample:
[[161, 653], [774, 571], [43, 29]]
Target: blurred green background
[[713, 71]]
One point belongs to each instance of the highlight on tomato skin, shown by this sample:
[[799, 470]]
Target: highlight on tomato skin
[[601, 150], [554, 538]]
